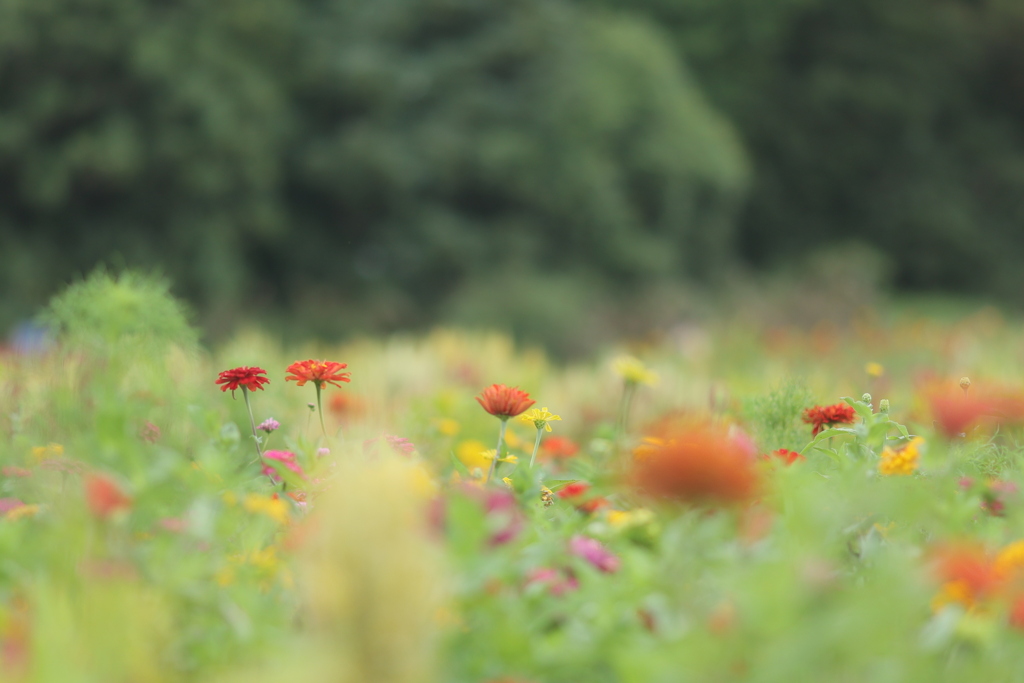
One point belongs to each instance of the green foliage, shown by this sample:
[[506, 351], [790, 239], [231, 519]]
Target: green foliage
[[337, 155], [104, 310], [775, 418], [893, 122]]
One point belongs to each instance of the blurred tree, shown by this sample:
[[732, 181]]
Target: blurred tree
[[901, 123], [307, 154]]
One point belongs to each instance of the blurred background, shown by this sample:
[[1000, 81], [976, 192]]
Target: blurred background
[[566, 170]]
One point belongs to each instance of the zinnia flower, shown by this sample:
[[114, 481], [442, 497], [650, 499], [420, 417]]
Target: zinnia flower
[[701, 465], [319, 372], [244, 377], [286, 458], [823, 417], [559, 447], [595, 553], [504, 402], [968, 575], [785, 455], [104, 496], [902, 461]]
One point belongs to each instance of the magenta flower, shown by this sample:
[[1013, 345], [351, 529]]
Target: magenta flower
[[595, 553], [286, 458]]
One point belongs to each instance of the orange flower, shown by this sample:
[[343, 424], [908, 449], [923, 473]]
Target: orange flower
[[244, 377], [319, 372], [504, 402], [702, 465], [104, 496], [968, 574]]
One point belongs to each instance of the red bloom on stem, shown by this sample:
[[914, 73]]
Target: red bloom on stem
[[245, 377], [823, 417], [504, 402], [104, 496], [319, 372]]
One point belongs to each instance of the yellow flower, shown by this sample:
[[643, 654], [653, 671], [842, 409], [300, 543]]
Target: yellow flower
[[508, 458], [447, 426], [50, 450], [539, 418], [903, 461], [874, 369], [620, 519], [512, 439], [953, 592], [471, 454], [1010, 559], [634, 371], [507, 481], [274, 508], [22, 511]]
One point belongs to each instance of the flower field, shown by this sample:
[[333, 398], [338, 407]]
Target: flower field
[[723, 503]]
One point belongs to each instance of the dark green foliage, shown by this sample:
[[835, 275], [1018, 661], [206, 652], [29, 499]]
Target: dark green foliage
[[896, 122], [311, 154]]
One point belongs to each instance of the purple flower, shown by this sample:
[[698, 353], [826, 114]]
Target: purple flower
[[269, 425], [595, 553], [321, 452]]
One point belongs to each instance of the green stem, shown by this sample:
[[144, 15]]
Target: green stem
[[497, 451], [536, 446], [252, 423], [320, 409], [627, 401]]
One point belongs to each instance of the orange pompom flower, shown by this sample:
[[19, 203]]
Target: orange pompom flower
[[104, 497], [504, 402], [823, 417], [701, 465], [320, 372], [244, 377]]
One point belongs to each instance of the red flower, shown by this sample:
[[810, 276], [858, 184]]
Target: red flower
[[701, 465], [245, 377], [504, 402], [577, 488], [104, 496], [826, 416], [787, 456], [558, 447], [955, 416], [319, 372], [968, 566]]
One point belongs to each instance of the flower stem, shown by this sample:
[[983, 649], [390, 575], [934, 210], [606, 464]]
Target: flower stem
[[627, 401], [252, 423], [320, 409], [536, 446], [497, 451]]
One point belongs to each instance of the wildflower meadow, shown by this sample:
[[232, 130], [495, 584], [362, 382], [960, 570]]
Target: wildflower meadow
[[728, 502]]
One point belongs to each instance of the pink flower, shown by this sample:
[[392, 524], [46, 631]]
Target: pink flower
[[286, 458], [557, 582], [595, 553]]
